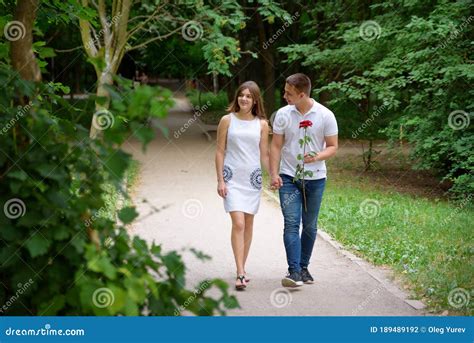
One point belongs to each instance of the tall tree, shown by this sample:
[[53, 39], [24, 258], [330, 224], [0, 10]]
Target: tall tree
[[403, 65], [21, 50], [109, 29], [58, 249]]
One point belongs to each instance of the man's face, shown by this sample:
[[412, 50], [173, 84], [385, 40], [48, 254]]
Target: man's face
[[292, 95]]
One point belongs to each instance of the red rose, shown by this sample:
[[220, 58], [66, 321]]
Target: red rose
[[306, 123]]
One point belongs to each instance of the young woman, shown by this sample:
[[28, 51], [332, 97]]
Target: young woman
[[242, 148]]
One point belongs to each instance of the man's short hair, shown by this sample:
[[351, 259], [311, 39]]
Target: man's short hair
[[301, 82]]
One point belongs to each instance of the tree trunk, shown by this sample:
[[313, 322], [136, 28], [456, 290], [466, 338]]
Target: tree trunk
[[266, 51], [21, 51], [104, 79], [368, 165], [239, 70], [370, 152], [215, 82], [110, 47]]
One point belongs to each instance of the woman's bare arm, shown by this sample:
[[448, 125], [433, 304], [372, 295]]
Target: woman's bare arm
[[220, 154], [264, 150]]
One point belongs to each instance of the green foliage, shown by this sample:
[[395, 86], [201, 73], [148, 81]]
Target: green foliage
[[186, 61], [213, 105], [63, 243], [208, 36], [211, 29], [428, 243], [413, 71], [213, 102], [221, 52]]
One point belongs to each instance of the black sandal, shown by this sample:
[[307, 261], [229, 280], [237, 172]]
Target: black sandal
[[247, 279], [242, 285]]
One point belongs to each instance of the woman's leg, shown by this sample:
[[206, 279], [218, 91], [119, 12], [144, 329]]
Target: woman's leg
[[238, 240], [248, 232]]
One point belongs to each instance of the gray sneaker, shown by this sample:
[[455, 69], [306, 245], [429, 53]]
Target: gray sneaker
[[306, 276], [293, 279]]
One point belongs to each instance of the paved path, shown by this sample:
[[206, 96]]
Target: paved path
[[178, 173]]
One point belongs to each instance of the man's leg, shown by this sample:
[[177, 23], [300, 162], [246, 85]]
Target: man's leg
[[314, 196], [290, 202]]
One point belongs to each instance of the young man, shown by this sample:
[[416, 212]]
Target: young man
[[285, 148]]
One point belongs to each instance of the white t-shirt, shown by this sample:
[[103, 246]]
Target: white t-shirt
[[287, 121]]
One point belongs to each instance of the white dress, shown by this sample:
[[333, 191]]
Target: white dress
[[242, 169]]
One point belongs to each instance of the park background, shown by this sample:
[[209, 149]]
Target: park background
[[107, 135]]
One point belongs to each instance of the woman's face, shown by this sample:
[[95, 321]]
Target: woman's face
[[245, 100]]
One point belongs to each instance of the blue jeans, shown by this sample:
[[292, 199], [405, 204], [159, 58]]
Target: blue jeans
[[299, 249]]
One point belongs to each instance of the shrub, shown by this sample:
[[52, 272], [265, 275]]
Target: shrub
[[53, 237], [213, 105]]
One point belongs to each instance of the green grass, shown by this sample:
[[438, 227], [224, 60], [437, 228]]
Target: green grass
[[428, 243]]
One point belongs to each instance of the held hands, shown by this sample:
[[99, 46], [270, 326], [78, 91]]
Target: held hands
[[311, 157], [276, 182], [221, 189]]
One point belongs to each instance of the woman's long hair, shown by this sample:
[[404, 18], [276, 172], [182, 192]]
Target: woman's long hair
[[258, 109]]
